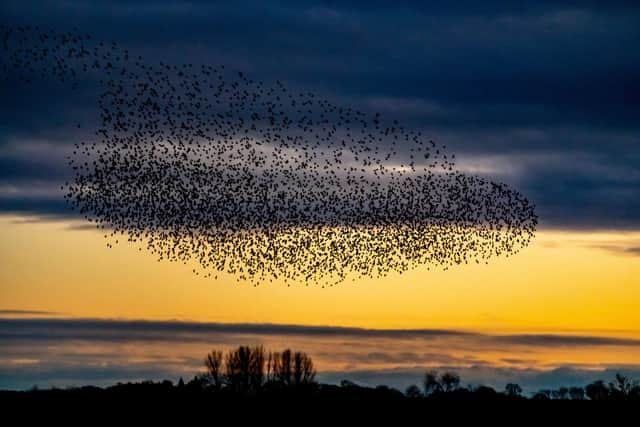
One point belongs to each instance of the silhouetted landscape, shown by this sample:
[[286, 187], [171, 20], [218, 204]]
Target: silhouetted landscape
[[252, 374]]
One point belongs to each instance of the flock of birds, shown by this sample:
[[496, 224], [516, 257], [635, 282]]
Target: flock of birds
[[200, 163]]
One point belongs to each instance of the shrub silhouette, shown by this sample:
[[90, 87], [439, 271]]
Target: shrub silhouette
[[597, 391], [576, 393], [413, 391], [561, 393]]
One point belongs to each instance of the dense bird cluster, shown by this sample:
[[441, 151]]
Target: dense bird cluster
[[200, 163]]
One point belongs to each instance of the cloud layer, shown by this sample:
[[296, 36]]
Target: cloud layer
[[62, 352], [549, 89]]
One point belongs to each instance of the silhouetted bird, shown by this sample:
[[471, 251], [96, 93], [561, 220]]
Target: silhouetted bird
[[198, 164]]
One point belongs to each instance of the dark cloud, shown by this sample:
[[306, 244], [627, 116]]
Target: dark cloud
[[621, 249], [550, 87], [45, 208], [144, 330], [403, 358], [565, 340], [62, 352]]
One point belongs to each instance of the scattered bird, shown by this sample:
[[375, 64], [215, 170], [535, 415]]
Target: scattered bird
[[200, 164]]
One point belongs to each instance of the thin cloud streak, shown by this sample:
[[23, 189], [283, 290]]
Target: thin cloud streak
[[134, 330]]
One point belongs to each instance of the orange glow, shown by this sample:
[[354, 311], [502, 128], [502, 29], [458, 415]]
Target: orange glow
[[564, 282]]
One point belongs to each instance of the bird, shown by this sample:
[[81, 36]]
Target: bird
[[208, 166]]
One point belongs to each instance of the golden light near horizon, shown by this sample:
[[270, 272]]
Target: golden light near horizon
[[565, 281]]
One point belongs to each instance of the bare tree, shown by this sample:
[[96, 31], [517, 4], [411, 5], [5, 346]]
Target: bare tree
[[257, 367], [450, 381], [282, 369], [621, 386], [213, 363], [513, 390], [289, 368], [269, 373], [244, 369], [303, 370], [431, 383]]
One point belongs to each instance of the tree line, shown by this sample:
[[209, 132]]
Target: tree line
[[250, 370], [253, 371], [448, 383]]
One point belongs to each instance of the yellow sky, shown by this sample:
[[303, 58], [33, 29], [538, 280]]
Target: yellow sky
[[563, 282]]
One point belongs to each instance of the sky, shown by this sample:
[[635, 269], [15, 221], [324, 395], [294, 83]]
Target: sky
[[541, 95]]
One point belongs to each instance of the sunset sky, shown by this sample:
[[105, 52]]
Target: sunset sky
[[544, 96]]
